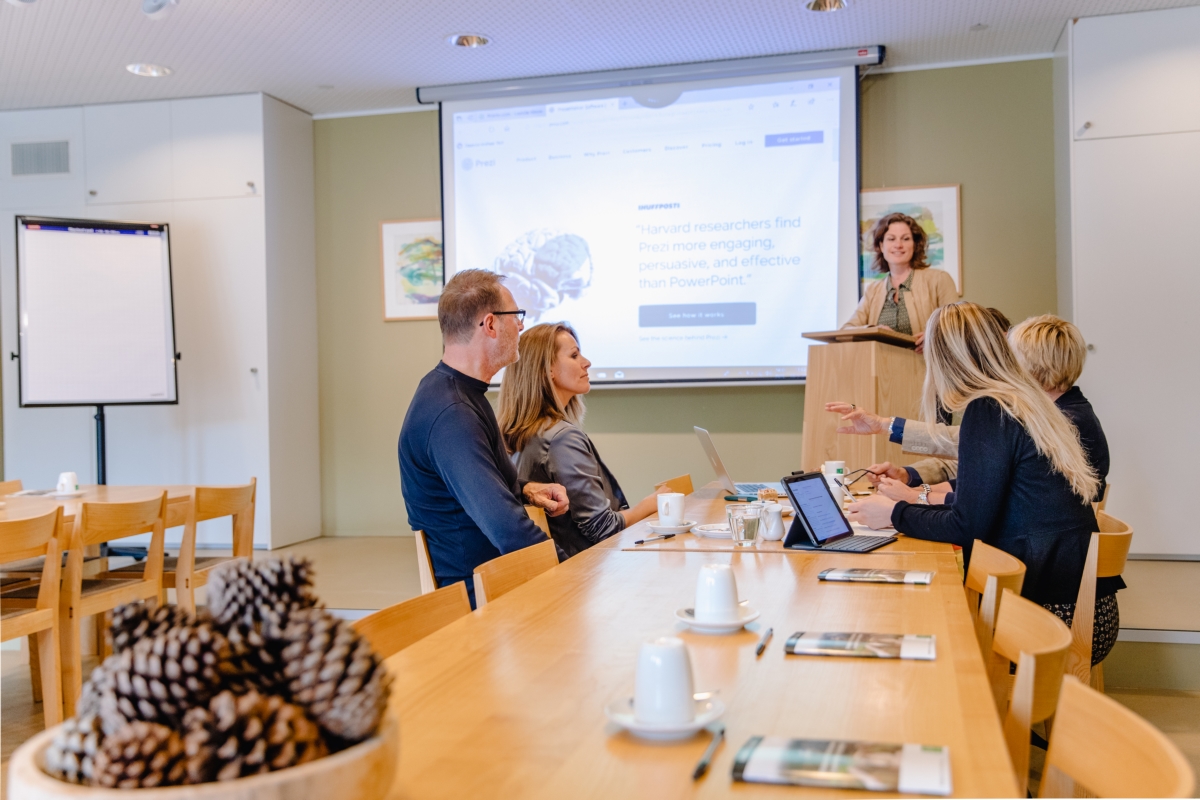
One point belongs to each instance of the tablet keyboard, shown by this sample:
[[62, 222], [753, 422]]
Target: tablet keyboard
[[859, 544]]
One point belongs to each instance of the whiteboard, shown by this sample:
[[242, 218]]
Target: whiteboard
[[96, 323]]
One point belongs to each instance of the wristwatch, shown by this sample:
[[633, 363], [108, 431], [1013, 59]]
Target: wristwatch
[[923, 497]]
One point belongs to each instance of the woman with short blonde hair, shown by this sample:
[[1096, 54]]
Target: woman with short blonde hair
[[1024, 483], [541, 416], [1051, 349]]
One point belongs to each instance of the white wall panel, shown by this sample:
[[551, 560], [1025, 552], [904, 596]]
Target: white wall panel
[[127, 152], [217, 146], [24, 192]]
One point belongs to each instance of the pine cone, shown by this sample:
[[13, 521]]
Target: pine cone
[[159, 679], [247, 735], [260, 594], [133, 622], [335, 674], [141, 755], [71, 756]]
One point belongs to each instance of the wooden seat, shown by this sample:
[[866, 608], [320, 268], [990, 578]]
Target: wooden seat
[[680, 483], [1109, 751], [501, 575], [991, 572], [396, 627], [1037, 642], [187, 573], [425, 564], [538, 515], [1107, 553], [23, 539], [97, 523]]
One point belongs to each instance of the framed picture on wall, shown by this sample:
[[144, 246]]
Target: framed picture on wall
[[936, 210], [413, 275]]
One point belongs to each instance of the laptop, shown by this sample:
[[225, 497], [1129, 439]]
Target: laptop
[[819, 523], [714, 458]]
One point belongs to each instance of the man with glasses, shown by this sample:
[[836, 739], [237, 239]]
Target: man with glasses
[[459, 484]]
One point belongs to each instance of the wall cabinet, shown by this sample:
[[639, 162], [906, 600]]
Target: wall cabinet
[[127, 152]]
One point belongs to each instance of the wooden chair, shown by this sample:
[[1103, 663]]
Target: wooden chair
[[24, 539], [991, 572], [97, 523], [1104, 747], [10, 487], [1037, 642], [1107, 553], [1100, 504], [396, 627], [501, 575], [187, 573], [538, 515], [425, 564], [681, 484]]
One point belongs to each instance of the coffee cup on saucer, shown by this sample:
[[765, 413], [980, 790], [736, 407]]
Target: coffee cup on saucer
[[67, 482], [716, 594], [670, 509], [664, 694]]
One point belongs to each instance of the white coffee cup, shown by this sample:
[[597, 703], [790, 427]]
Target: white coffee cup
[[835, 468], [67, 482], [770, 527], [663, 693], [716, 594], [670, 509]]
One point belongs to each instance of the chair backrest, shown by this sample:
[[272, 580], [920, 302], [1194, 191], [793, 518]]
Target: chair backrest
[[991, 572], [1037, 642], [680, 483], [538, 515], [424, 564], [10, 487], [1107, 552], [1110, 751], [33, 537], [396, 627], [1100, 504], [238, 502], [102, 522], [501, 575]]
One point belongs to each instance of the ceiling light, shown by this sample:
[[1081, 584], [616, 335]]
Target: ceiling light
[[827, 5], [19, 3], [467, 40], [158, 9], [149, 70], [978, 26]]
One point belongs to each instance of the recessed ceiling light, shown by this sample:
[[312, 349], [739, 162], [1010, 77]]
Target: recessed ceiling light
[[979, 26], [467, 40], [19, 3], [149, 70], [827, 5], [158, 9]]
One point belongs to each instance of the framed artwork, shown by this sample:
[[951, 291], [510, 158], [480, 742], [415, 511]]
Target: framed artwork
[[413, 274], [935, 208]]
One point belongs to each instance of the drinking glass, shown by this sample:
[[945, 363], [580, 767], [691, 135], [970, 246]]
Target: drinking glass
[[744, 521]]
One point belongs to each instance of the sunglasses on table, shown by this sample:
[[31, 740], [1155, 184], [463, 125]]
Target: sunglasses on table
[[519, 314]]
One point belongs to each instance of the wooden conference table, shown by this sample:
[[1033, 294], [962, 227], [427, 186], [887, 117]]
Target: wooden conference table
[[509, 701], [23, 506]]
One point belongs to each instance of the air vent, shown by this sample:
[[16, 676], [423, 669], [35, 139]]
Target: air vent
[[41, 158]]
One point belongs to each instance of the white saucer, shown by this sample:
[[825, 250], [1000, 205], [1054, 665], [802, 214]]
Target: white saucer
[[67, 494], [717, 530], [745, 614], [682, 527], [621, 712]]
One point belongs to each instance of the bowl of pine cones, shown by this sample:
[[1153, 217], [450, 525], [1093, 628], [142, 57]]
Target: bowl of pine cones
[[263, 694]]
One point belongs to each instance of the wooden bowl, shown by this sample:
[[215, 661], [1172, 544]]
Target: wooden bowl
[[363, 771]]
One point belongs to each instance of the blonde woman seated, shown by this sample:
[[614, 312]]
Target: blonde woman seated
[[541, 412], [1024, 482]]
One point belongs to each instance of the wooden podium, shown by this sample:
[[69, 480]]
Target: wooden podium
[[874, 368]]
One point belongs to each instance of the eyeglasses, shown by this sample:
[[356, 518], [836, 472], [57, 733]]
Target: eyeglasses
[[519, 314], [865, 473]]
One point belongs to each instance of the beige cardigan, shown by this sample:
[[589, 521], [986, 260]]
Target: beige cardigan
[[931, 288]]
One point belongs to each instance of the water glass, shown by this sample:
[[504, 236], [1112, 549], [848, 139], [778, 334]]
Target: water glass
[[744, 521]]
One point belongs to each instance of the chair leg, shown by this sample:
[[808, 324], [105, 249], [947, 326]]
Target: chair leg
[[103, 644], [69, 632], [1098, 677], [185, 594], [35, 672], [51, 676]]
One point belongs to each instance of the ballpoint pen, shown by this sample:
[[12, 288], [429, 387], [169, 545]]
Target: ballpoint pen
[[656, 538], [706, 759], [762, 645]]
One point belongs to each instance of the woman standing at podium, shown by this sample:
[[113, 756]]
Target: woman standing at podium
[[910, 290]]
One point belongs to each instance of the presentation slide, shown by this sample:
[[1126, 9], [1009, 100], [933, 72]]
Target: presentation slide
[[96, 324], [688, 232]]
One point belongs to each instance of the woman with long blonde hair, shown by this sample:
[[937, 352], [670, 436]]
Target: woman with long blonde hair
[[1024, 482], [541, 416]]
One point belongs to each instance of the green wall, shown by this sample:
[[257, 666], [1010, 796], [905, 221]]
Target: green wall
[[988, 128]]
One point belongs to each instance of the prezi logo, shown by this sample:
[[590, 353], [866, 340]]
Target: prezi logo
[[468, 163]]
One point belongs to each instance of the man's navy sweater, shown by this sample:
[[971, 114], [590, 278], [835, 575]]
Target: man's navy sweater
[[459, 485]]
